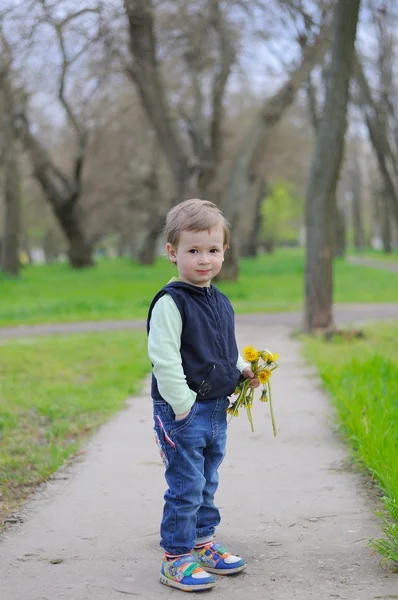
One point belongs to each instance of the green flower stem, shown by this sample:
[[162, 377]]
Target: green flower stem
[[249, 416], [249, 403], [240, 399], [271, 408]]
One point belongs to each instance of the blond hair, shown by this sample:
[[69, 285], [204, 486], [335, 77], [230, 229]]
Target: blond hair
[[194, 215]]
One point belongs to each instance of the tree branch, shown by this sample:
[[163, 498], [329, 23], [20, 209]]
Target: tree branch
[[386, 158], [77, 14], [227, 57], [274, 107], [146, 75], [312, 103]]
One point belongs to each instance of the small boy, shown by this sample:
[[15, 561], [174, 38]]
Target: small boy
[[196, 366]]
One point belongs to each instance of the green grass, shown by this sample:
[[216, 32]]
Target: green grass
[[54, 392], [362, 378], [377, 255], [119, 289]]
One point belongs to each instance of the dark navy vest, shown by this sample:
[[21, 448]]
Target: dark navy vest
[[208, 346]]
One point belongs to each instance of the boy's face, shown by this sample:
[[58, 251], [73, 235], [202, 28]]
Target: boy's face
[[199, 255]]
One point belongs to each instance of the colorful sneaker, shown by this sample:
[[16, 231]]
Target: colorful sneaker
[[216, 559], [184, 573]]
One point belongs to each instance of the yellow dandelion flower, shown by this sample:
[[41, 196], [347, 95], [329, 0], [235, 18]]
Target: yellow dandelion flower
[[264, 375], [250, 354], [269, 357]]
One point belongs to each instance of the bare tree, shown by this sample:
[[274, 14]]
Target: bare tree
[[379, 137], [62, 188], [9, 252], [246, 176], [193, 166], [337, 224], [380, 110], [325, 171]]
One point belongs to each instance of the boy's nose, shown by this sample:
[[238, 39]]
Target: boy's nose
[[204, 260]]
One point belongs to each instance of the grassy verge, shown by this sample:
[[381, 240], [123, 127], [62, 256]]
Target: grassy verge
[[54, 392], [118, 289], [362, 378], [377, 255]]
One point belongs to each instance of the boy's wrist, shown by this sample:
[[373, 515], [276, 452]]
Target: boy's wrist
[[182, 415]]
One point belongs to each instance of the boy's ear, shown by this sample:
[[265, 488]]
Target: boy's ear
[[171, 251]]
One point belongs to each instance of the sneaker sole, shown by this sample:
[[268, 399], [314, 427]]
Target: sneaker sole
[[224, 571], [200, 587]]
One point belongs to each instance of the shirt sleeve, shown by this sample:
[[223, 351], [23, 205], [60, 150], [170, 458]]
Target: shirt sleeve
[[241, 363], [164, 343]]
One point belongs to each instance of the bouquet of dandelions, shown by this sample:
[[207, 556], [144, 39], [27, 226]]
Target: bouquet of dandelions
[[262, 363]]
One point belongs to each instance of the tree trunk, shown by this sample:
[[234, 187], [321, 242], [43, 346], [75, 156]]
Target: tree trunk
[[325, 170], [247, 168], [80, 251], [339, 232], [192, 171], [9, 260], [50, 246], [375, 121], [63, 193], [147, 252], [25, 245], [10, 247], [251, 236], [385, 222], [146, 75], [359, 237]]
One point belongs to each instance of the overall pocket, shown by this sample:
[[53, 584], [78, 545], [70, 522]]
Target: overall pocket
[[206, 386], [165, 422]]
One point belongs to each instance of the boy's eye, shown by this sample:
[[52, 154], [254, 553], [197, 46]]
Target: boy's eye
[[214, 250], [193, 251]]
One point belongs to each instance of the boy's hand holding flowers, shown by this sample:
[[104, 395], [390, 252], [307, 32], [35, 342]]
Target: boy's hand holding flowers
[[248, 374], [262, 363]]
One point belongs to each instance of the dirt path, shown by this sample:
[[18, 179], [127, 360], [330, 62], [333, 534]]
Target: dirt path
[[290, 505], [344, 313]]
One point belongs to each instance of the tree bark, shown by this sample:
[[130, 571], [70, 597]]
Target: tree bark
[[80, 252], [385, 221], [147, 251], [247, 168], [12, 200], [9, 258], [339, 231], [250, 242], [356, 186], [325, 170], [50, 245]]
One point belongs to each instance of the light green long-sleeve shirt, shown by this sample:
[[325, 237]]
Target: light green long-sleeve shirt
[[164, 343]]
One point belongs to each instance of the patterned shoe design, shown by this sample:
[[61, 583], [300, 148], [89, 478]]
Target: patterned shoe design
[[216, 559], [184, 573]]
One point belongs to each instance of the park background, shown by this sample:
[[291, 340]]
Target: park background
[[109, 115]]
